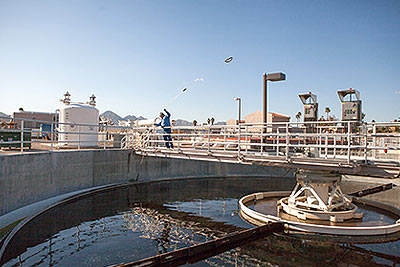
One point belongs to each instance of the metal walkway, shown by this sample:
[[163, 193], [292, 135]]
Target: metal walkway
[[341, 146], [384, 170], [348, 147]]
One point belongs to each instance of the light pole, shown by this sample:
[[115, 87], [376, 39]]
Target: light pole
[[239, 107], [272, 77]]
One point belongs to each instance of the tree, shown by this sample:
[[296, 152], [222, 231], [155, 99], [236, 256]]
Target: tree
[[298, 116], [327, 111], [194, 123]]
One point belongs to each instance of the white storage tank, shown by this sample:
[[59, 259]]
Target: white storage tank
[[146, 122], [73, 114]]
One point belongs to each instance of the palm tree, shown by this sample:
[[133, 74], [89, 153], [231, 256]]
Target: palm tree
[[327, 111], [298, 116]]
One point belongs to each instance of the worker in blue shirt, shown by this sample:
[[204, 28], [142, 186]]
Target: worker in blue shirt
[[165, 124]]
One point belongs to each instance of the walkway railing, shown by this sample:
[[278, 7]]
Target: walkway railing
[[335, 140], [55, 135], [351, 141]]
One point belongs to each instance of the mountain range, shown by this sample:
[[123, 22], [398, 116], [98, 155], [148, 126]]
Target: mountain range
[[4, 115], [114, 117]]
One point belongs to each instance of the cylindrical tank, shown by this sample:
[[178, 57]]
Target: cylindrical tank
[[72, 134], [147, 122]]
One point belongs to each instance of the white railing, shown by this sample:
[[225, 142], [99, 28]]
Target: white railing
[[335, 140], [352, 141], [17, 135]]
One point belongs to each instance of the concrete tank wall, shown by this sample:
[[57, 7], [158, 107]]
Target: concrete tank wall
[[28, 178]]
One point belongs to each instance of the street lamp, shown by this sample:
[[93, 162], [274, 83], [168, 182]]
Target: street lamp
[[239, 107], [272, 77]]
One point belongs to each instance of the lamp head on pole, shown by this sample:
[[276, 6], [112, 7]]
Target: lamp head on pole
[[275, 77], [236, 98]]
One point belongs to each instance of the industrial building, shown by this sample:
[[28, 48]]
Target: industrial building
[[40, 117]]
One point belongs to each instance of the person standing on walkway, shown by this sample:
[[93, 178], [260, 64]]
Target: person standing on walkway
[[165, 124]]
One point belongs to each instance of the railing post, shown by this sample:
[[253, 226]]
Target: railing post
[[334, 146], [194, 134], [319, 141], [374, 140], [239, 138], [22, 136], [130, 141], [348, 142], [277, 141], [224, 139], [261, 139], [51, 137], [208, 143], [326, 145], [287, 141], [247, 138], [105, 137], [79, 137], [366, 142], [179, 139]]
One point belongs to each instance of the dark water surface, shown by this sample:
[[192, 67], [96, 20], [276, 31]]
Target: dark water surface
[[142, 220]]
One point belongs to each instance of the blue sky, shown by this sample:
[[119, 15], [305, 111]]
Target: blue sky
[[135, 56]]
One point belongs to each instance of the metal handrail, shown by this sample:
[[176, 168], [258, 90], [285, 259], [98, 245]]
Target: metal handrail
[[321, 139]]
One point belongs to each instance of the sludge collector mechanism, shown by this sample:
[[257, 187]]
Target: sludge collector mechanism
[[317, 205]]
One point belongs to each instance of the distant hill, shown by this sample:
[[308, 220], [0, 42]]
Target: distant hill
[[114, 117], [179, 122], [130, 117], [134, 118], [111, 116], [4, 115]]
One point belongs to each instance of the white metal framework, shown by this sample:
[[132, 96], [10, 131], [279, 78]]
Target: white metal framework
[[331, 143], [327, 139], [317, 196], [259, 218]]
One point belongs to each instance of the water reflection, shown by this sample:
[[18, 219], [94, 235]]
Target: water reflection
[[143, 220]]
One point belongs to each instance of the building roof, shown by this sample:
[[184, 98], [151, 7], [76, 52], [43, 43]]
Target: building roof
[[276, 114], [33, 112]]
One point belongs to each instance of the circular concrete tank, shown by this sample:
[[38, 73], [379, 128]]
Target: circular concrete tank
[[127, 222]]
